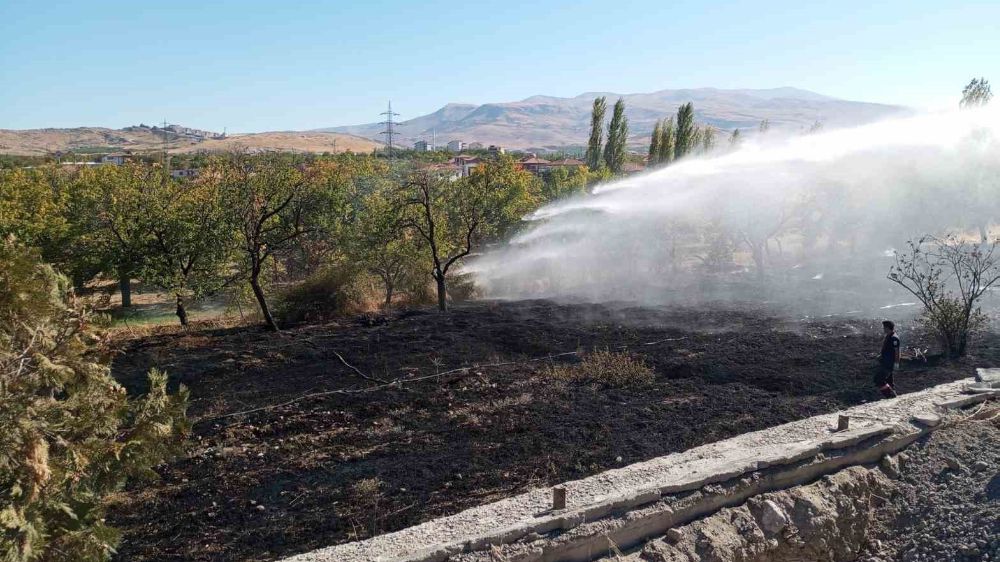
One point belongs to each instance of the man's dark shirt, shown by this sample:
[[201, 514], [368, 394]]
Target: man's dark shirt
[[889, 347]]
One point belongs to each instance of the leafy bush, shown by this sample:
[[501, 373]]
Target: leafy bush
[[617, 369], [70, 435], [325, 294]]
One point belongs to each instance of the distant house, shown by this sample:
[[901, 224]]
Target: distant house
[[495, 150], [450, 170], [183, 173], [474, 146], [568, 163], [535, 165], [456, 146], [465, 163], [422, 146], [116, 159]]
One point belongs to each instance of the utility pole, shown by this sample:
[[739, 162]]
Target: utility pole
[[389, 131], [165, 163]]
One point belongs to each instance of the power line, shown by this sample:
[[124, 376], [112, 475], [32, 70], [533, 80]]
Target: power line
[[390, 130]]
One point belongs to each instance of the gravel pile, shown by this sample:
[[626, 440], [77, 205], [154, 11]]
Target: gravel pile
[[946, 504]]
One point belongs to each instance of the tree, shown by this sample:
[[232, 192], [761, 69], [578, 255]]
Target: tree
[[764, 126], [563, 181], [654, 143], [112, 208], [666, 144], [70, 435], [707, 139], [455, 217], [268, 201], [949, 276], [816, 127], [684, 136], [380, 241], [189, 238], [595, 143], [735, 139], [615, 153], [976, 93]]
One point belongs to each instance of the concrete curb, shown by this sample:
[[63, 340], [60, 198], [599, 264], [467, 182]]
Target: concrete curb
[[654, 494]]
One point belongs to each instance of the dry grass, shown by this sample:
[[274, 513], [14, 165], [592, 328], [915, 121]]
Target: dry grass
[[605, 367]]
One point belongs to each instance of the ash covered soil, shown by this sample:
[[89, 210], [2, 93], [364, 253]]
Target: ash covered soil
[[303, 469]]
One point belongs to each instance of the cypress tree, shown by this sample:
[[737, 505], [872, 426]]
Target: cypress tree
[[765, 125], [684, 137], [596, 133], [735, 139], [707, 138], [654, 143], [614, 150], [667, 141]]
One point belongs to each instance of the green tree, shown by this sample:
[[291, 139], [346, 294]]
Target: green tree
[[596, 141], [976, 93], [654, 143], [380, 242], [684, 141], [735, 139], [111, 205], [189, 238], [764, 126], [708, 139], [667, 142], [70, 435], [562, 182], [615, 152], [269, 203], [455, 217]]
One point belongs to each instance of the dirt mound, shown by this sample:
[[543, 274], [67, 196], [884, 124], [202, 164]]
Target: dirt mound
[[311, 462]]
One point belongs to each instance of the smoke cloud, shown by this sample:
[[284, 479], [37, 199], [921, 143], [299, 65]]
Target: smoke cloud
[[809, 221]]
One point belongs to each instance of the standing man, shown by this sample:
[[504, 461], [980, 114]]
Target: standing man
[[888, 361]]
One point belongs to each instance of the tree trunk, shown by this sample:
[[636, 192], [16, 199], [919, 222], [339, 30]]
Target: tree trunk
[[258, 292], [758, 259], [984, 233], [125, 287], [182, 314], [388, 295], [442, 292]]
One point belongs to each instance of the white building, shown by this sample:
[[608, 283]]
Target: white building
[[423, 146], [456, 146], [474, 146], [116, 159]]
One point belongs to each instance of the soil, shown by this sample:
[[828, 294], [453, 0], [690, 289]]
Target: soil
[[327, 455]]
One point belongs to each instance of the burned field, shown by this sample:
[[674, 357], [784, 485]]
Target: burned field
[[298, 443]]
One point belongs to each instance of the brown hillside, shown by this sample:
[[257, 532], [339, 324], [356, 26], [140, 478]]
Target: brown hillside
[[39, 142]]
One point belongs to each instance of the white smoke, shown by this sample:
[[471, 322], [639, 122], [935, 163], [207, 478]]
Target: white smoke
[[812, 217]]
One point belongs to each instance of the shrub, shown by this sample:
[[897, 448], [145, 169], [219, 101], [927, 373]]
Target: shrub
[[616, 369], [330, 292], [949, 275], [70, 435]]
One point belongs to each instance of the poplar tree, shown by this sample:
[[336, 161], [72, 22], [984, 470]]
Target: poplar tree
[[976, 93], [765, 126], [666, 145], [735, 139], [654, 143], [684, 136], [614, 150], [594, 145], [707, 139]]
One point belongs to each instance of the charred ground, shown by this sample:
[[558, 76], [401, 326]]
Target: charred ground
[[310, 466]]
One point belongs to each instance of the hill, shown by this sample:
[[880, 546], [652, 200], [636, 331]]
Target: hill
[[547, 121], [38, 142]]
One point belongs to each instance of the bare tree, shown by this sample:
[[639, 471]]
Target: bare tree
[[949, 276]]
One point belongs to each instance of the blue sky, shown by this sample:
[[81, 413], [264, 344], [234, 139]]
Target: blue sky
[[263, 65]]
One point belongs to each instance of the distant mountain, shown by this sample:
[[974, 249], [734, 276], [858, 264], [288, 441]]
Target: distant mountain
[[553, 122], [39, 142]]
